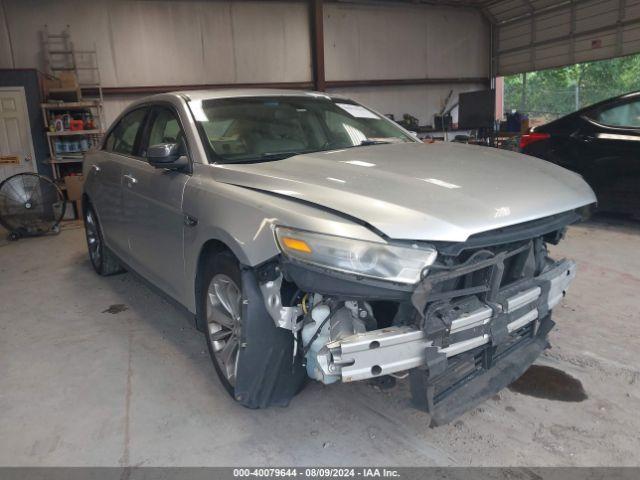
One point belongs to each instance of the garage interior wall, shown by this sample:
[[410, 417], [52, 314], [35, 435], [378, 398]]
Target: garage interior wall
[[393, 42], [539, 34], [149, 43]]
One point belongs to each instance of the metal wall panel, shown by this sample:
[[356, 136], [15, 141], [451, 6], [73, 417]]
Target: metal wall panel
[[386, 42], [569, 32], [171, 42], [552, 25], [514, 36], [195, 42], [632, 9], [596, 13], [364, 42], [540, 4]]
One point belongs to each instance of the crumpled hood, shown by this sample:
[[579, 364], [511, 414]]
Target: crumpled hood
[[438, 191]]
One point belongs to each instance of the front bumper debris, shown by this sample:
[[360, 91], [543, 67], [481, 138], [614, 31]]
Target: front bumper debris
[[476, 376], [394, 349], [499, 339]]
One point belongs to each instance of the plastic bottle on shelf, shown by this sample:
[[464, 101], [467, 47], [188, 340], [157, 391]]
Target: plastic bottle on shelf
[[57, 146]]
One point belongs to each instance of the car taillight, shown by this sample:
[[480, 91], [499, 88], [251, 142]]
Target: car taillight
[[529, 138]]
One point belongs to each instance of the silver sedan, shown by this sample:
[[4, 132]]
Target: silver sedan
[[310, 236]]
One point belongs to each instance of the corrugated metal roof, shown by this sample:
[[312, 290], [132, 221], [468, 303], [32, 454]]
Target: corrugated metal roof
[[503, 11], [536, 34]]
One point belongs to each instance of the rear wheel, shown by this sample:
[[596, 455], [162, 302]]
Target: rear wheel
[[103, 260]]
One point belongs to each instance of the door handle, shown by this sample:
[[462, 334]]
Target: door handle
[[95, 168], [130, 177]]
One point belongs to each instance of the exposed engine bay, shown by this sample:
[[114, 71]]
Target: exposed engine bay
[[479, 316]]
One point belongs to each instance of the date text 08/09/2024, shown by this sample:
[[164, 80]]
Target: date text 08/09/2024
[[316, 472]]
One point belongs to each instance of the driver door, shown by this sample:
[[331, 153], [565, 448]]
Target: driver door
[[152, 200]]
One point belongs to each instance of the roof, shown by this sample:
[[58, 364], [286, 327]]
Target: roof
[[246, 92], [219, 93]]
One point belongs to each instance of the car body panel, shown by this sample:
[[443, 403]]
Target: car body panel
[[155, 223], [442, 192], [217, 207], [103, 178], [608, 157], [415, 191]]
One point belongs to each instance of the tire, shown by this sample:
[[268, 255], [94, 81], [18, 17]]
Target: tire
[[253, 358], [102, 259], [221, 304]]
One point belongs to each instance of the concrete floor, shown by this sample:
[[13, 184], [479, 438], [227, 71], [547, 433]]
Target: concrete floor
[[80, 386]]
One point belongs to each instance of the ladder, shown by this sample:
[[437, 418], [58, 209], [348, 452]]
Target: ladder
[[60, 55]]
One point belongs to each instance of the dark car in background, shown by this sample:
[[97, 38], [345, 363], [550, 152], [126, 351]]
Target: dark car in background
[[600, 142]]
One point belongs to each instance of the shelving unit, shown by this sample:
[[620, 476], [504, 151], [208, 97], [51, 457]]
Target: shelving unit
[[67, 133], [68, 147]]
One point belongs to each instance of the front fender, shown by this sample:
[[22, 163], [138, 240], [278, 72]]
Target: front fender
[[243, 220]]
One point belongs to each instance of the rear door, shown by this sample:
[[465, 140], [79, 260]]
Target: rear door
[[153, 207], [120, 149], [610, 139], [16, 147]]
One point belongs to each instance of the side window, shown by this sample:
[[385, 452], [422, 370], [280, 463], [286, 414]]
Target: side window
[[165, 128], [627, 115], [122, 138]]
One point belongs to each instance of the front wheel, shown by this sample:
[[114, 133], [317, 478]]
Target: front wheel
[[253, 358], [223, 310]]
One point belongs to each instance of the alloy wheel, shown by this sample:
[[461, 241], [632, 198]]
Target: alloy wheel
[[93, 238], [224, 300]]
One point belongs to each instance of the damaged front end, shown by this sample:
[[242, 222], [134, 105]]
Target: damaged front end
[[477, 319]]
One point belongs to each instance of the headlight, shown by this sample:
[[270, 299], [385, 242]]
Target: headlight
[[369, 259]]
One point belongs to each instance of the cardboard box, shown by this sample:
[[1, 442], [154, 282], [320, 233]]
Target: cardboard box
[[50, 82], [68, 79], [63, 87], [74, 184]]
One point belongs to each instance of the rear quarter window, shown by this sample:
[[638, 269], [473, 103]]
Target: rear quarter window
[[625, 115]]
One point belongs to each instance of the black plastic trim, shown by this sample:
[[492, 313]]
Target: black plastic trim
[[467, 394], [309, 278], [510, 234]]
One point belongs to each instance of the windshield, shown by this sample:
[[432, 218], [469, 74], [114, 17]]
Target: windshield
[[254, 129]]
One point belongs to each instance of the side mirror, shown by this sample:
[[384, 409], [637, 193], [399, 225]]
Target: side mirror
[[167, 155]]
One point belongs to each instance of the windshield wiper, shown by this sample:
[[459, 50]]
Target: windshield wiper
[[269, 156], [276, 155], [364, 143]]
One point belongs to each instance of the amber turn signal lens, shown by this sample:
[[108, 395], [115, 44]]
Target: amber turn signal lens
[[295, 244]]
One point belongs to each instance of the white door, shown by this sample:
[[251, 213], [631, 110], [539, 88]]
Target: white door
[[16, 147]]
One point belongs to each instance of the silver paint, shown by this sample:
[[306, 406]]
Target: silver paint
[[439, 191]]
